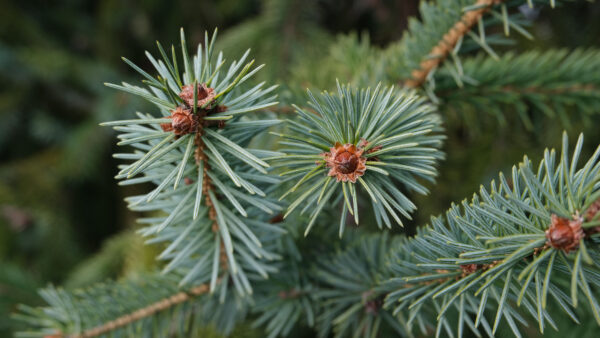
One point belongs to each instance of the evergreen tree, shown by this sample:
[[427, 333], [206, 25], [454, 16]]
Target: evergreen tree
[[285, 214]]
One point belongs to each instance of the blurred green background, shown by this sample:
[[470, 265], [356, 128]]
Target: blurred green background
[[62, 216]]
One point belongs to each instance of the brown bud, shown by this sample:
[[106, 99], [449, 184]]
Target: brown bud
[[564, 234], [204, 95], [346, 162], [183, 121]]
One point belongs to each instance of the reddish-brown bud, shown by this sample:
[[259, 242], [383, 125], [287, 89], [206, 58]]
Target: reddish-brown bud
[[183, 121], [564, 234], [346, 162], [204, 95]]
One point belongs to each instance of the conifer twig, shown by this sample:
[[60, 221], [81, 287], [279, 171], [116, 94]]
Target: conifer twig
[[207, 186], [440, 51], [147, 311]]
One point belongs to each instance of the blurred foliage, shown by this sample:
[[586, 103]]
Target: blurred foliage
[[62, 219]]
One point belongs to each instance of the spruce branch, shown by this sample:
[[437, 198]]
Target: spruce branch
[[144, 312], [348, 290], [360, 139], [114, 307], [549, 83], [446, 29], [205, 174], [530, 240], [449, 41], [286, 299]]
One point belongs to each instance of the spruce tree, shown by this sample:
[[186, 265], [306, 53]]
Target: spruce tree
[[281, 208]]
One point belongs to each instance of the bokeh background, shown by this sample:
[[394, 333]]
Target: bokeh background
[[62, 216]]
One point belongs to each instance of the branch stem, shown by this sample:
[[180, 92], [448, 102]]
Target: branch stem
[[147, 311], [207, 186], [440, 52]]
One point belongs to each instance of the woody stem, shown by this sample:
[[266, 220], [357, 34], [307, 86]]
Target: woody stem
[[207, 186], [443, 48], [139, 314]]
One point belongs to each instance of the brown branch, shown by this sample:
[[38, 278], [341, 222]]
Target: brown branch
[[207, 186], [463, 271], [147, 311], [440, 51]]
